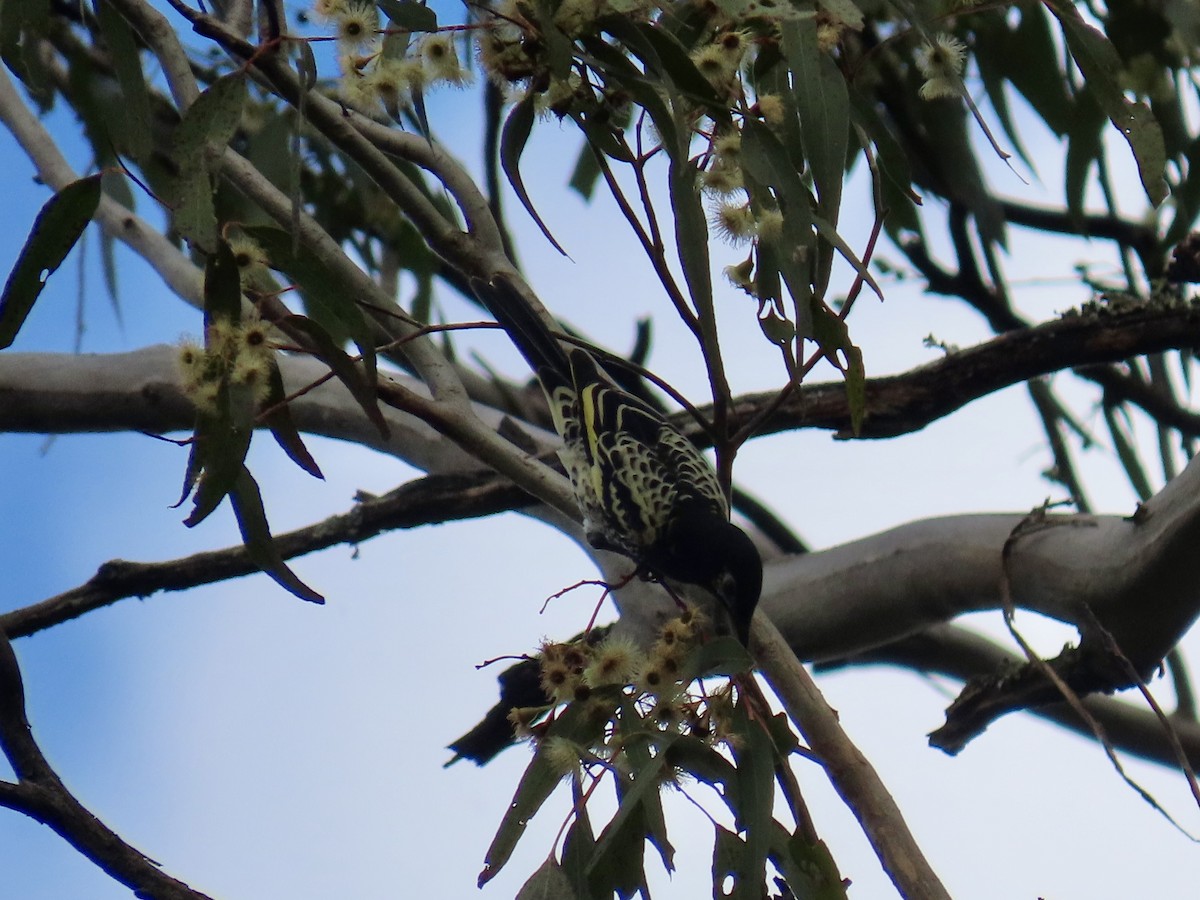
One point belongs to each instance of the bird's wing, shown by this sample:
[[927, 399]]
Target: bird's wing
[[637, 463]]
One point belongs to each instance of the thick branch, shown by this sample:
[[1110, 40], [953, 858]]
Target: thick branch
[[960, 654], [900, 404], [896, 404]]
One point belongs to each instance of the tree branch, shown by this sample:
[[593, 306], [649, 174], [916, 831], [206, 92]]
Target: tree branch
[[429, 500], [961, 654], [904, 403], [848, 770], [41, 795]]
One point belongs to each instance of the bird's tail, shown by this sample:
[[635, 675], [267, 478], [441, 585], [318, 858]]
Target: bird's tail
[[526, 329]]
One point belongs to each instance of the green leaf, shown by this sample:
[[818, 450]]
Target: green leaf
[[347, 371], [222, 286], [647, 783], [1121, 428], [222, 434], [205, 131], [824, 109], [586, 173], [57, 228], [705, 763], [579, 845], [729, 862], [279, 419], [768, 164], [809, 870], [1084, 145], [114, 185], [856, 388], [720, 656], [990, 49], [30, 18], [899, 199], [691, 232], [776, 328], [766, 10], [410, 14], [218, 456], [1031, 64], [1100, 63], [844, 11], [327, 292], [666, 56], [618, 68], [541, 777], [829, 233], [512, 145], [549, 882], [1186, 197], [127, 64], [256, 535], [558, 49], [755, 761]]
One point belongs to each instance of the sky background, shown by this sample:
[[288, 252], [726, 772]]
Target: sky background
[[261, 747]]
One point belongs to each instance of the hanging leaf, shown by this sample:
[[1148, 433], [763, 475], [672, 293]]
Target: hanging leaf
[[409, 14], [1100, 63], [1032, 67], [579, 846], [755, 760], [57, 228], [347, 371], [1084, 145], [205, 131], [224, 427], [809, 870], [549, 882], [512, 145], [256, 534], [329, 294], [134, 108], [824, 108], [32, 19], [575, 723], [732, 862], [691, 232], [278, 418]]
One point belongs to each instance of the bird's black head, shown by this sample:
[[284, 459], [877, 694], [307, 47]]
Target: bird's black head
[[704, 548]]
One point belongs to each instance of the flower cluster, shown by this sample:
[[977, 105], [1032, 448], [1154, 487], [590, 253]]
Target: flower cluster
[[602, 678], [381, 69], [235, 358]]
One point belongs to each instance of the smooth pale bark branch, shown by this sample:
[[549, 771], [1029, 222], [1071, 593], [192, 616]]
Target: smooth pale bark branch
[[1138, 577], [911, 400]]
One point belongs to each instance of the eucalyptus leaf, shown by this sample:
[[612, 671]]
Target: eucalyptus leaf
[[57, 229], [1101, 64], [205, 131], [127, 65], [256, 535], [512, 145]]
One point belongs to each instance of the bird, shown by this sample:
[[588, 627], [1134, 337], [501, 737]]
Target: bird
[[643, 489]]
